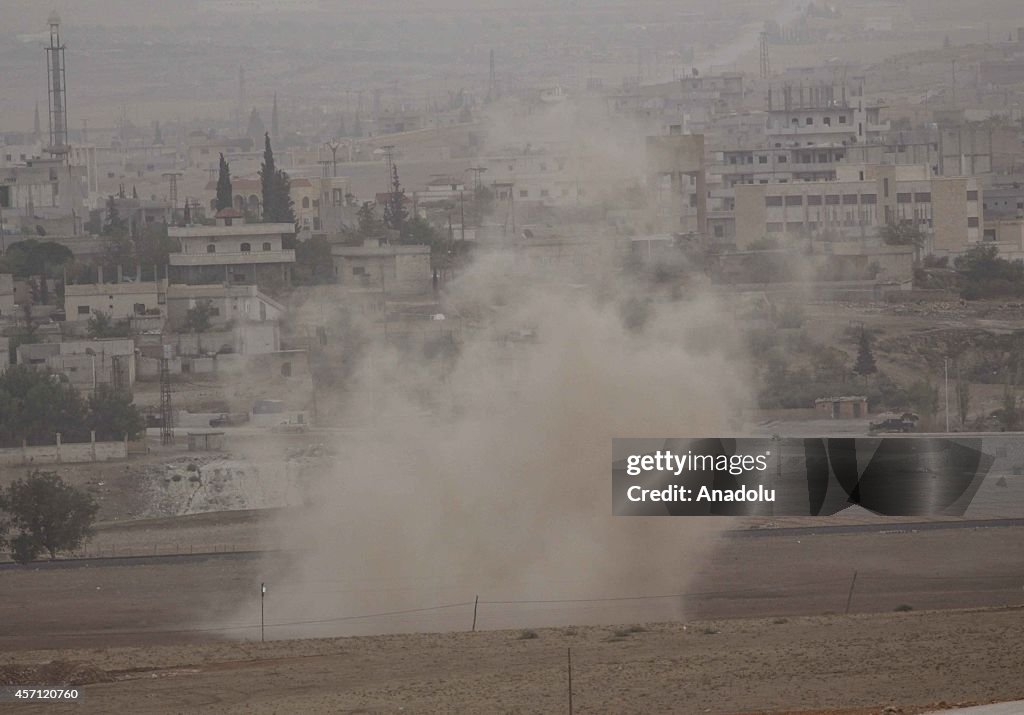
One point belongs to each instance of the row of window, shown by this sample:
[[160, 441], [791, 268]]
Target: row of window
[[818, 200], [803, 158], [244, 248]]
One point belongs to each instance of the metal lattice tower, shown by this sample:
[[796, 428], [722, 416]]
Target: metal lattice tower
[[166, 416], [172, 178], [57, 90], [766, 64]]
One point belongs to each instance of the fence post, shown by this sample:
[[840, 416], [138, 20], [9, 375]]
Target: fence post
[[92, 443], [476, 602], [849, 596], [59, 460]]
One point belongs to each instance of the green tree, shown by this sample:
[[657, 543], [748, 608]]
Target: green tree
[[369, 225], [35, 404], [101, 325], [197, 319], [153, 246], [276, 188], [923, 398], [903, 233], [113, 416], [113, 225], [47, 515], [33, 257], [865, 364], [313, 262], [395, 213], [224, 192]]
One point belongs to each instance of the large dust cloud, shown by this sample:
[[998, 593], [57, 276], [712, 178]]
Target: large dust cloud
[[492, 477]]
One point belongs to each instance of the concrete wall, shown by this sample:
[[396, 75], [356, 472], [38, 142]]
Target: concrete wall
[[58, 453]]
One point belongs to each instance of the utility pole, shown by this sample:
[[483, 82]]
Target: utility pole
[[766, 67], [166, 416]]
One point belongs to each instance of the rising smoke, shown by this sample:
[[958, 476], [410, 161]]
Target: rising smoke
[[492, 477]]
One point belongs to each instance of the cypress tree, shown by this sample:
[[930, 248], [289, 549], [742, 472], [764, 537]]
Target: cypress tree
[[865, 364], [224, 190]]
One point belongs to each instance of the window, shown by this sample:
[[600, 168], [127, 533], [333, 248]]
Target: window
[[842, 119], [809, 121], [245, 248], [210, 248], [544, 192], [832, 200], [794, 201], [286, 369], [774, 228], [972, 222], [719, 230], [762, 160], [139, 308], [524, 194], [814, 201], [849, 199], [773, 201], [903, 198], [305, 202], [972, 195], [266, 246], [83, 310], [869, 198], [783, 159], [923, 197], [827, 121], [358, 271]]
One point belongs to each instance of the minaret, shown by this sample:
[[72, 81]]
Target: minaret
[[37, 131], [273, 119], [242, 103], [57, 90]]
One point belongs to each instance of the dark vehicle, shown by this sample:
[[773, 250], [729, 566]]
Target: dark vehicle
[[907, 422]]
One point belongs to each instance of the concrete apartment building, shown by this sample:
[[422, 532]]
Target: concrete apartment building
[[232, 252], [860, 202], [44, 192], [677, 177]]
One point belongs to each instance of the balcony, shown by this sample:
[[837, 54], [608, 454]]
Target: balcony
[[238, 258]]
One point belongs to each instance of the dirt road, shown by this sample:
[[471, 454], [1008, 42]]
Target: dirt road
[[824, 664]]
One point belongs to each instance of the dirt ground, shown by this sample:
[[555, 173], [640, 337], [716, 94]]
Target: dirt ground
[[849, 664]]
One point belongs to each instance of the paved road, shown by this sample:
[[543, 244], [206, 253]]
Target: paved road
[[767, 533]]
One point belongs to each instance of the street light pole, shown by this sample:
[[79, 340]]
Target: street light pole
[[263, 596], [945, 364]]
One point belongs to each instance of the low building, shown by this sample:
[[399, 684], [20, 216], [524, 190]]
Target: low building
[[87, 364], [388, 268], [119, 301], [229, 303], [7, 304], [232, 252], [842, 408]]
